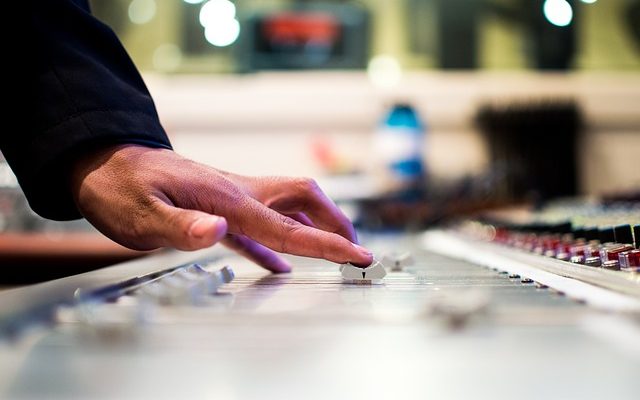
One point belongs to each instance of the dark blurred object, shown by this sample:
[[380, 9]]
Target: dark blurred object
[[422, 25], [306, 36], [549, 47], [535, 145], [438, 202], [552, 47], [384, 214], [458, 33], [633, 19], [632, 196], [37, 257]]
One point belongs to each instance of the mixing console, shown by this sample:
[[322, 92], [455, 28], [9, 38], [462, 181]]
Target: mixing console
[[180, 325], [591, 234]]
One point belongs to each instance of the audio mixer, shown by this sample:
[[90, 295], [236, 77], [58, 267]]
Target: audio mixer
[[505, 305]]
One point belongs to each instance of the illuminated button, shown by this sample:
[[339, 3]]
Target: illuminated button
[[578, 250], [630, 261], [563, 251], [546, 245], [610, 252], [586, 250]]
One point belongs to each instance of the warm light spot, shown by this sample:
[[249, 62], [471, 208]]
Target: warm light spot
[[384, 71], [142, 11]]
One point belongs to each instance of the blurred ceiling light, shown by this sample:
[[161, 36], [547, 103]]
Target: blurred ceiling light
[[193, 1], [214, 11], [142, 11], [167, 57], [222, 33], [384, 71], [558, 12], [221, 28], [589, 1]]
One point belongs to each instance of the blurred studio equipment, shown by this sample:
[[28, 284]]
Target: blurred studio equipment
[[398, 169], [549, 28], [533, 145], [632, 16], [308, 35], [458, 33]]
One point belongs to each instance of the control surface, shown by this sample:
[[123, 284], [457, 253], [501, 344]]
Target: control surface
[[439, 328]]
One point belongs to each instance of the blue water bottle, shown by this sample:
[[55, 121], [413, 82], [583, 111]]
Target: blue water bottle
[[398, 148]]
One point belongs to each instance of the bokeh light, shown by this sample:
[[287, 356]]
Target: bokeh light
[[142, 11], [558, 12], [384, 71], [221, 28]]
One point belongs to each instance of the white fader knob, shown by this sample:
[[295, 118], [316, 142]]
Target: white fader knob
[[374, 273], [397, 261]]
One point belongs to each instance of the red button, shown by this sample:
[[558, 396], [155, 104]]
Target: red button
[[630, 260]]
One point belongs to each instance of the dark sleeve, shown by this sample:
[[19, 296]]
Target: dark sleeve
[[79, 91]]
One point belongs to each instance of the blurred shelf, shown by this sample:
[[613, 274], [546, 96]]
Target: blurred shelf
[[35, 257]]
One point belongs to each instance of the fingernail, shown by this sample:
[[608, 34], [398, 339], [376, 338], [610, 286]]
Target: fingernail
[[201, 226]]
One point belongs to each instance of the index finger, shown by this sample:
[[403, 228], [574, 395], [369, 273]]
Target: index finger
[[325, 214], [284, 234], [305, 195]]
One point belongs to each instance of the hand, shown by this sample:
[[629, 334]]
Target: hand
[[146, 198]]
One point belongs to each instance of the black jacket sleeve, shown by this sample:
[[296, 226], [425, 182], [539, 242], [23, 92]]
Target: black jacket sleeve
[[79, 91]]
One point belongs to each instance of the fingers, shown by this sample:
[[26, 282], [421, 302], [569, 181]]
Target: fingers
[[283, 234], [306, 241], [257, 253], [183, 229], [304, 195], [302, 218]]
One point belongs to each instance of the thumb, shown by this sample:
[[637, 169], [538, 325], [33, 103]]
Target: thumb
[[188, 229]]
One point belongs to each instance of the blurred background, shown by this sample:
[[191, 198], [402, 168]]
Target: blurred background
[[201, 36], [406, 111]]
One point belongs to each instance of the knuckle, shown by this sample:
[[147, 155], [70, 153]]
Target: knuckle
[[289, 229], [306, 185]]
